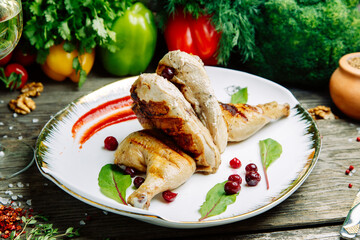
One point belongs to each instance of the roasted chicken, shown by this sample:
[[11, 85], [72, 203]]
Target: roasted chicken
[[186, 127], [165, 164], [159, 104], [193, 82]]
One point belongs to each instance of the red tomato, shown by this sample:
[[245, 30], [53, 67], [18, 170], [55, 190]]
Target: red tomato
[[18, 70], [6, 59], [22, 58]]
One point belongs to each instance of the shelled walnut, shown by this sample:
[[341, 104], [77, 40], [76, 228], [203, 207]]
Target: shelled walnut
[[22, 104], [321, 112], [32, 89]]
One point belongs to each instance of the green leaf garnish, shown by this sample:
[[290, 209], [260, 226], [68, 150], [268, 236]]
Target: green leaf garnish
[[270, 150], [113, 182], [241, 96], [216, 201]]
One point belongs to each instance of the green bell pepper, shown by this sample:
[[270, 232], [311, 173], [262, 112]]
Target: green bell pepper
[[136, 40]]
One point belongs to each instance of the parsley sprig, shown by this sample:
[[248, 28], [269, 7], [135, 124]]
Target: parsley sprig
[[83, 24]]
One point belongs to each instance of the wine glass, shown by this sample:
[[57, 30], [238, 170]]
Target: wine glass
[[11, 25], [15, 154]]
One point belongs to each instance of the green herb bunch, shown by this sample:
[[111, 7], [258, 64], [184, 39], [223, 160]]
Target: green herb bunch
[[82, 24], [35, 229], [231, 18]]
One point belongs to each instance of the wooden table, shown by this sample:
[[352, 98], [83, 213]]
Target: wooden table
[[315, 211]]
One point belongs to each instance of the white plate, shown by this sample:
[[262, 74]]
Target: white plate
[[75, 170]]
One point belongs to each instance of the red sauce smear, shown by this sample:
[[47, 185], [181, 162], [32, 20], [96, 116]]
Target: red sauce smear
[[100, 110], [118, 117]]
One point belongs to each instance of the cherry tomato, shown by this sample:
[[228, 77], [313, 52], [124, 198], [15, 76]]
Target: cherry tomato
[[22, 58], [6, 59], [17, 69]]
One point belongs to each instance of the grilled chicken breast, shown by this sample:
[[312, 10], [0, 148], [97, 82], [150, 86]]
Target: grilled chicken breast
[[160, 105], [192, 80], [244, 120], [165, 164]]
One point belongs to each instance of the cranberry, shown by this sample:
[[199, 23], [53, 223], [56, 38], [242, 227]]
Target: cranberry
[[347, 172], [138, 181], [351, 167], [232, 187], [350, 185], [252, 178], [235, 163], [251, 167], [130, 171], [169, 196], [235, 178], [168, 73], [110, 143], [358, 139]]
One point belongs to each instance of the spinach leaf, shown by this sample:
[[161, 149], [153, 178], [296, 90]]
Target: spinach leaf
[[113, 182], [241, 96], [216, 201], [270, 150]]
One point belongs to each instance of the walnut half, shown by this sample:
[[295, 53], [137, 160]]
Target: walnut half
[[22, 105], [321, 112], [32, 89]]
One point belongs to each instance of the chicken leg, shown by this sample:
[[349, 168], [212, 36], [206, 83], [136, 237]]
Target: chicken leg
[[244, 120], [166, 166]]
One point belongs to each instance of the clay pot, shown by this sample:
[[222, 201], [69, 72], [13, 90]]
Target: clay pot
[[345, 86]]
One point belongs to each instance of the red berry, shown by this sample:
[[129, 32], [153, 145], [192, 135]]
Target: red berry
[[347, 172], [252, 178], [235, 178], [110, 143], [350, 185], [168, 73], [351, 167], [235, 163], [232, 187], [358, 139], [169, 196], [251, 167], [130, 171], [138, 181]]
